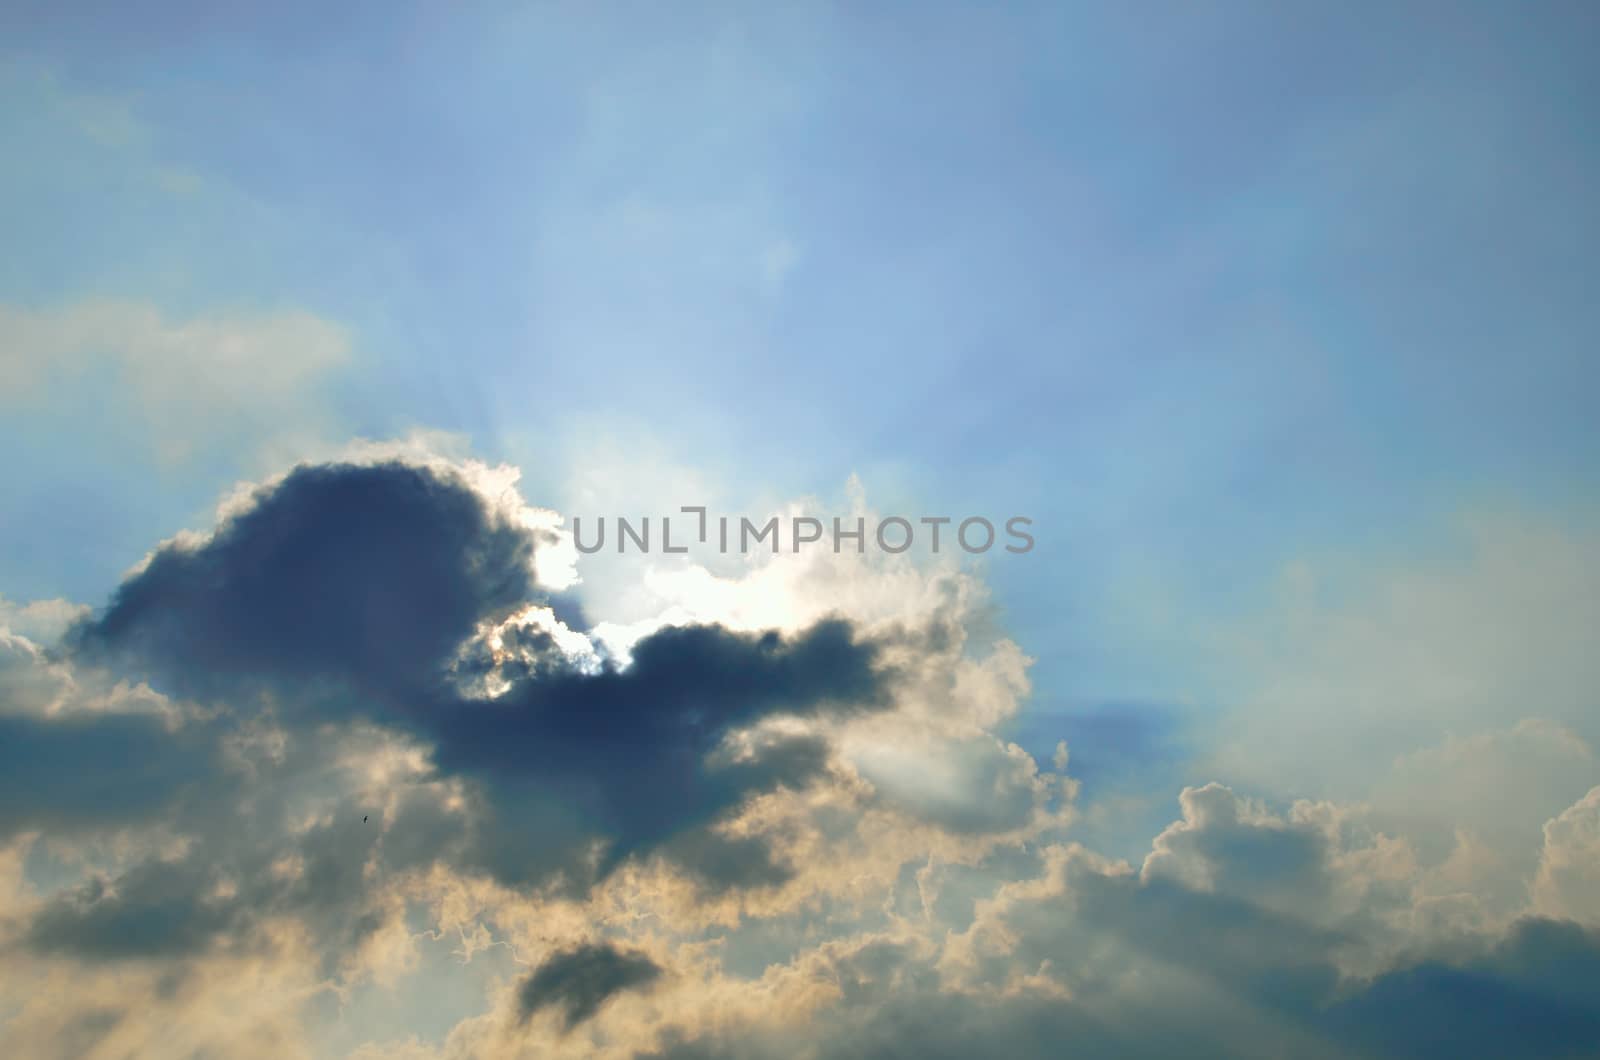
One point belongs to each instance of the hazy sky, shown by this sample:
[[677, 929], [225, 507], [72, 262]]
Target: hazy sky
[[1277, 320]]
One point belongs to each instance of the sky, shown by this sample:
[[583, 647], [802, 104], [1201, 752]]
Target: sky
[[319, 737]]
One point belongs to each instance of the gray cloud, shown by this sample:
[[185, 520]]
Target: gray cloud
[[154, 911], [368, 574], [1193, 974], [345, 592], [580, 980], [332, 605], [330, 727], [87, 771]]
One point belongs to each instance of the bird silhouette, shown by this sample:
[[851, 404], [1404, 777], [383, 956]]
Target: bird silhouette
[[363, 818]]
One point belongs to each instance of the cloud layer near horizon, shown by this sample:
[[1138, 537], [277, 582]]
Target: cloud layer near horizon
[[354, 773]]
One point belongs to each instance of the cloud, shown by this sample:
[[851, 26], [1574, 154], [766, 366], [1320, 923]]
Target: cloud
[[345, 593], [152, 913], [579, 981], [95, 770], [1199, 976], [1143, 964], [1356, 659], [1532, 994], [339, 770], [1568, 880], [371, 575], [1223, 844], [41, 621], [197, 382], [635, 750]]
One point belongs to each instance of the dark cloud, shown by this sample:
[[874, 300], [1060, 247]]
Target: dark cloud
[[367, 574], [346, 593], [721, 863], [86, 771], [581, 980], [1536, 993], [634, 751], [155, 910], [229, 881]]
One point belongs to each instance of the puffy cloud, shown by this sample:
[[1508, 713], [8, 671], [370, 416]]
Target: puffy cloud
[[1483, 797], [1245, 933], [354, 770], [347, 591], [1121, 966], [371, 575], [1568, 880]]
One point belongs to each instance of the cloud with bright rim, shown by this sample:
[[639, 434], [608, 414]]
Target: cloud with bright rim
[[321, 737]]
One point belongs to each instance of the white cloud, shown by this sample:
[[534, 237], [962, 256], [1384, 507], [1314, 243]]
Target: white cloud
[[41, 621], [1568, 883], [186, 382], [1358, 659]]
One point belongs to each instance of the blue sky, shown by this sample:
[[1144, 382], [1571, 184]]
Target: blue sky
[[1320, 271], [1277, 322]]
